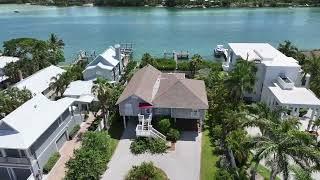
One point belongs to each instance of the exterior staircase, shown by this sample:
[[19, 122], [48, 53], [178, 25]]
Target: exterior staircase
[[145, 129]]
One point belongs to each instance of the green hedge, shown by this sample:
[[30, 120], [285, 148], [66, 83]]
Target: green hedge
[[51, 162], [173, 135], [165, 64], [90, 161], [142, 145], [74, 131]]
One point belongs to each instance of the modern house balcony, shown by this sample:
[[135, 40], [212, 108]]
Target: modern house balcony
[[284, 82], [14, 161]]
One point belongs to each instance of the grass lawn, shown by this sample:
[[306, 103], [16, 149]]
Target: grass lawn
[[265, 172], [208, 159], [115, 133]]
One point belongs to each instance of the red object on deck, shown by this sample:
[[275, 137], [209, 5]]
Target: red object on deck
[[145, 105]]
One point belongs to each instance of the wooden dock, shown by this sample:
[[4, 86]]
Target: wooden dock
[[126, 48], [182, 55]]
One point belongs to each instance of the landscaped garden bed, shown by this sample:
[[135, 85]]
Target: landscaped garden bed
[[51, 162], [146, 171], [74, 131], [142, 145]]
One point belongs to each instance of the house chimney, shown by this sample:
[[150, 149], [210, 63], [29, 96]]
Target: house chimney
[[20, 75], [118, 54], [307, 81]]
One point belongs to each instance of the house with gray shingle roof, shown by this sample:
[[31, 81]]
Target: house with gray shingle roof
[[153, 93]]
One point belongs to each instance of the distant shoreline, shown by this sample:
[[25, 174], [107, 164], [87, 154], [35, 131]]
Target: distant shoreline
[[202, 6]]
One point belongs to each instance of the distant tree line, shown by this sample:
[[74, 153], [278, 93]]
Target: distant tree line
[[213, 3], [175, 3]]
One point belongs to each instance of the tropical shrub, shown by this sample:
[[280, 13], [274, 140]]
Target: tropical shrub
[[157, 146], [302, 112], [183, 66], [90, 161], [165, 64], [51, 162], [164, 126], [142, 145], [94, 125], [173, 135], [146, 171], [139, 146], [74, 131]]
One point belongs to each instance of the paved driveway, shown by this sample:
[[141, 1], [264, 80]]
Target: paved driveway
[[181, 164]]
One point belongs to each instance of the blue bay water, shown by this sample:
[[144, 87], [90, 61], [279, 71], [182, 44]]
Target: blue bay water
[[156, 30]]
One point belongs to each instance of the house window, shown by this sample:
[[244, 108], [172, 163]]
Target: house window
[[195, 113]]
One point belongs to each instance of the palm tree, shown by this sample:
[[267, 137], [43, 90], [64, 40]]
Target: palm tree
[[54, 42], [301, 174], [103, 90], [60, 82], [312, 66], [242, 78], [288, 48], [281, 142], [291, 50], [196, 60]]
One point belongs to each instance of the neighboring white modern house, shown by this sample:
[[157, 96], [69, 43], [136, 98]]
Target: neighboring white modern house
[[39, 82], [4, 60], [32, 133], [108, 65], [279, 78]]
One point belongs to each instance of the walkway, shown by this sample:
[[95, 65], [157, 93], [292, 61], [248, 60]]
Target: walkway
[[66, 152], [183, 163]]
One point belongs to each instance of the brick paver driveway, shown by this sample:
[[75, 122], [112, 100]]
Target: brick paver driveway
[[181, 164]]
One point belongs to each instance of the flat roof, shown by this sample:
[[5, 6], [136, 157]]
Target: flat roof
[[4, 60], [295, 96], [31, 120], [40, 81], [264, 52], [78, 88]]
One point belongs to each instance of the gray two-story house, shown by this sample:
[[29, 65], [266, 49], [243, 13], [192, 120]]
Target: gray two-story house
[[32, 133], [164, 94], [107, 65]]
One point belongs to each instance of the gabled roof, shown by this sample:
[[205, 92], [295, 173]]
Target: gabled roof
[[107, 58], [40, 81], [141, 84], [31, 120], [101, 66], [166, 90], [4, 60], [185, 93]]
